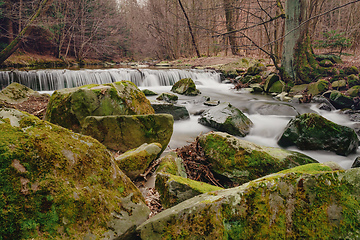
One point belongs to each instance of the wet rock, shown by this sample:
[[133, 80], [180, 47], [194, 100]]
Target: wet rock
[[168, 97], [256, 88], [298, 89], [177, 111], [226, 118], [323, 103], [122, 133], [356, 163], [212, 103], [57, 181], [289, 204], [282, 109], [185, 86], [311, 131], [242, 161], [340, 100], [134, 162], [175, 189], [148, 92], [69, 107]]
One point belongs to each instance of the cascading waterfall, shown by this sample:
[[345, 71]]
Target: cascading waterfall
[[50, 79]]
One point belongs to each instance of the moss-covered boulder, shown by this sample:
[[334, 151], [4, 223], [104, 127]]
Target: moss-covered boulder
[[256, 69], [318, 87], [270, 80], [311, 131], [241, 161], [340, 100], [177, 111], [298, 89], [277, 87], [351, 70], [16, 93], [185, 86], [307, 202], [339, 85], [135, 161], [148, 92], [123, 133], [175, 189], [168, 97], [353, 91], [69, 107], [353, 80], [226, 118], [57, 184], [171, 163]]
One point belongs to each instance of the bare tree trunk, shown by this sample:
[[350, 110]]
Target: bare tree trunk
[[230, 23], [11, 48], [297, 49], [190, 29]]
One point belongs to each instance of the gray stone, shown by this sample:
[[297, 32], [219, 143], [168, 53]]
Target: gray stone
[[227, 118], [177, 111]]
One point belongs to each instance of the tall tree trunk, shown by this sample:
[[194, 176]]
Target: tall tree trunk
[[298, 63], [11, 48], [190, 29], [230, 23]]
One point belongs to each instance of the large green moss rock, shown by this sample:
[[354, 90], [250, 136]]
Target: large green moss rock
[[353, 80], [256, 69], [69, 107], [242, 161], [16, 93], [318, 87], [307, 202], [270, 80], [353, 91], [311, 131], [226, 118], [339, 85], [123, 133], [340, 100], [57, 184], [277, 87], [185, 86], [175, 189], [298, 89], [135, 161]]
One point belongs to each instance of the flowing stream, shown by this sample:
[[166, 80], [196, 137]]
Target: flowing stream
[[269, 116]]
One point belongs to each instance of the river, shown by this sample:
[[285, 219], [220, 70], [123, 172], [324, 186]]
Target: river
[[269, 119]]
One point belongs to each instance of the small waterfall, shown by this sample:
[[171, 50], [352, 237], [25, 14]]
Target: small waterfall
[[50, 79]]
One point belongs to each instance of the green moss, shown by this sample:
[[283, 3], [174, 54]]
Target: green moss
[[196, 185], [54, 181]]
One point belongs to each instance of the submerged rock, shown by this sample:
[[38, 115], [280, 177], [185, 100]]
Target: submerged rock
[[242, 161], [226, 118], [58, 184], [185, 86], [168, 97], [310, 201], [135, 161], [311, 131], [282, 109], [177, 111], [69, 107], [122, 133]]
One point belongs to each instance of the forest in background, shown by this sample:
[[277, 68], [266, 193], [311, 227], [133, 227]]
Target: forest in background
[[171, 29]]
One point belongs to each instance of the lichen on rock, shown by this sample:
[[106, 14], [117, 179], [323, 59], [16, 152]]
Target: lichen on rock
[[69, 107], [59, 184]]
